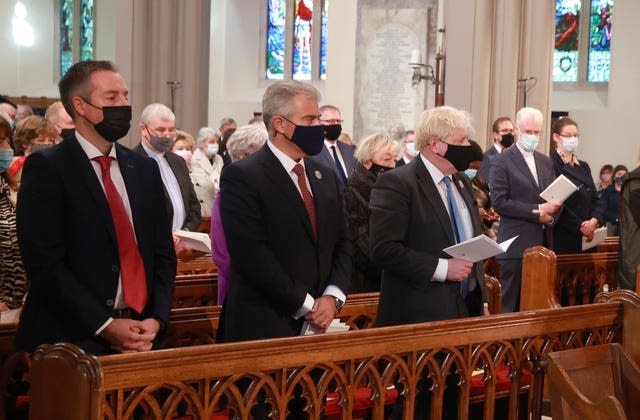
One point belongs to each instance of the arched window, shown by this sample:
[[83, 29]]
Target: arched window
[[75, 17], [291, 49], [582, 41]]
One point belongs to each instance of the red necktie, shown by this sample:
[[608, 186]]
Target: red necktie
[[134, 284], [306, 196]]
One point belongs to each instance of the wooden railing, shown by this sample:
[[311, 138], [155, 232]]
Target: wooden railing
[[322, 374]]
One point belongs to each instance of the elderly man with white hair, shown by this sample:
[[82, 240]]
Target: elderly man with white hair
[[207, 157], [517, 177], [243, 142], [157, 131]]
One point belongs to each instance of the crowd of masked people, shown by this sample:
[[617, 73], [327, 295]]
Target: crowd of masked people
[[300, 217]]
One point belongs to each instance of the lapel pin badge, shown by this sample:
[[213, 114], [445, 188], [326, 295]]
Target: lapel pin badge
[[461, 184], [318, 174]]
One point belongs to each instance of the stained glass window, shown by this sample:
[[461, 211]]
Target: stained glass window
[[323, 39], [276, 29], [80, 47], [599, 40], [565, 55], [66, 35], [302, 40]]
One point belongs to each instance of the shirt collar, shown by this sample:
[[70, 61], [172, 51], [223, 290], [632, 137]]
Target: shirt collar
[[152, 153], [282, 157], [498, 147], [92, 151], [328, 143], [435, 173], [571, 160]]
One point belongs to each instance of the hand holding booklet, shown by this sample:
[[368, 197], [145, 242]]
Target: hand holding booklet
[[197, 241], [599, 235], [559, 190], [478, 248], [335, 326]]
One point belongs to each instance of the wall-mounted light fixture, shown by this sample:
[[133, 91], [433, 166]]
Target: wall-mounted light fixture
[[415, 62]]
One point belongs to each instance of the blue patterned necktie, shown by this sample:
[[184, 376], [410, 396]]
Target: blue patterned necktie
[[343, 177], [458, 227]]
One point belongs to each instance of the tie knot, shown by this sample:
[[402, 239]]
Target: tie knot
[[447, 181], [104, 162], [298, 170]]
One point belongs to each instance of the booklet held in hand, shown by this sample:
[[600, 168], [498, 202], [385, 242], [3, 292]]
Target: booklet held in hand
[[478, 248], [197, 241], [559, 190]]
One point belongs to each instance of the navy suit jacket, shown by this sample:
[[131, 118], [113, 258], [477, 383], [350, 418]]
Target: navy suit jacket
[[326, 158], [276, 259], [514, 194], [408, 229], [68, 244], [485, 165], [192, 209]]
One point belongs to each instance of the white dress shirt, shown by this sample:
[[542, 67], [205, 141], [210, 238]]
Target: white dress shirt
[[328, 144], [531, 162]]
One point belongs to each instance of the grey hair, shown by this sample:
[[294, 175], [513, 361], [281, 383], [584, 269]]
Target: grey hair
[[246, 140], [156, 110], [206, 133], [5, 116], [226, 121], [368, 146], [527, 113], [278, 99]]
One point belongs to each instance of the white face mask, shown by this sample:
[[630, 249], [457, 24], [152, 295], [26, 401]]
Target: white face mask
[[212, 149], [529, 142], [569, 144], [411, 149]]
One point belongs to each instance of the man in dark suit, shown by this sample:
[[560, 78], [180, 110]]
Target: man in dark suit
[[335, 154], [502, 134], [518, 176], [285, 229], [90, 284], [157, 131], [413, 220], [409, 151]]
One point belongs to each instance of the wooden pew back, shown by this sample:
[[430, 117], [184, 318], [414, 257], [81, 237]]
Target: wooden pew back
[[552, 281], [311, 373], [195, 290]]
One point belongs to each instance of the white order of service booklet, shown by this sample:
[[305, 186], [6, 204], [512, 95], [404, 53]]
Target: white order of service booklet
[[559, 190], [479, 248], [335, 326], [198, 241], [599, 235]]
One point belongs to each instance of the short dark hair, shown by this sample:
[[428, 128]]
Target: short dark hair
[[497, 122], [558, 124], [606, 168], [76, 81]]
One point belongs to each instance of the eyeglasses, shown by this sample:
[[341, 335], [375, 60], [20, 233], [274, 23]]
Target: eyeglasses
[[505, 131], [331, 122]]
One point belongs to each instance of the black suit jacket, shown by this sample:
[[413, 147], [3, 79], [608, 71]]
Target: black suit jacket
[[189, 198], [275, 257], [514, 194], [325, 158], [409, 227], [68, 244], [580, 206], [485, 165]]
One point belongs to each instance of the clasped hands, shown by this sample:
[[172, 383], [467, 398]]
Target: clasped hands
[[322, 313], [587, 228], [130, 335]]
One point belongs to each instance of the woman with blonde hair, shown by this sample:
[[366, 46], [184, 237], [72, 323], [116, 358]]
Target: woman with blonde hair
[[375, 154]]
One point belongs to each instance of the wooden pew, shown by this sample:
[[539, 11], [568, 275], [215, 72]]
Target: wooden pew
[[551, 281], [195, 290], [217, 381], [609, 245]]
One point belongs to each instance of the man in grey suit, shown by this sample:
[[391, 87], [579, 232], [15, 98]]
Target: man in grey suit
[[502, 134], [335, 154], [517, 177], [157, 131]]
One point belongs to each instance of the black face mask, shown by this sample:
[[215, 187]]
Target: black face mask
[[67, 133], [507, 140], [115, 123], [308, 138], [460, 156], [332, 132], [377, 169]]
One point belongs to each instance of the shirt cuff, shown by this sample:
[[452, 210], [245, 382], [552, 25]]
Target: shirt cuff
[[105, 325], [306, 307], [335, 292], [441, 270]]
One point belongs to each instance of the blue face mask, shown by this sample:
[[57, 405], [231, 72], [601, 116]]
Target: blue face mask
[[212, 149], [529, 142], [6, 157], [471, 173]]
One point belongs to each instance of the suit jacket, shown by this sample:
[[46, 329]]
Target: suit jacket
[[276, 259], [189, 197], [514, 194], [408, 229], [326, 158], [580, 206], [402, 161], [68, 243], [485, 165]]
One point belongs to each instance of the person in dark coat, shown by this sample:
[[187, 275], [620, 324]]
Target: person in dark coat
[[375, 154]]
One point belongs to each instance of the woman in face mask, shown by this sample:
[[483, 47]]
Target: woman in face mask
[[583, 210], [13, 280], [610, 196], [375, 154], [606, 177], [206, 158]]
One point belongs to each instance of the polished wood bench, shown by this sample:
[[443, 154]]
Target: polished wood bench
[[551, 281], [310, 373], [194, 290]]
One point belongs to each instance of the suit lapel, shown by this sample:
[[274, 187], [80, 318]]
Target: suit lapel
[[318, 182], [522, 166], [283, 183], [543, 180], [432, 196], [128, 171]]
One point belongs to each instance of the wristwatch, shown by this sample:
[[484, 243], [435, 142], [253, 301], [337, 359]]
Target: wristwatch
[[339, 303]]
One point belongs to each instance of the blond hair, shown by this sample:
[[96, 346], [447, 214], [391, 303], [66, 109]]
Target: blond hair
[[439, 123]]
